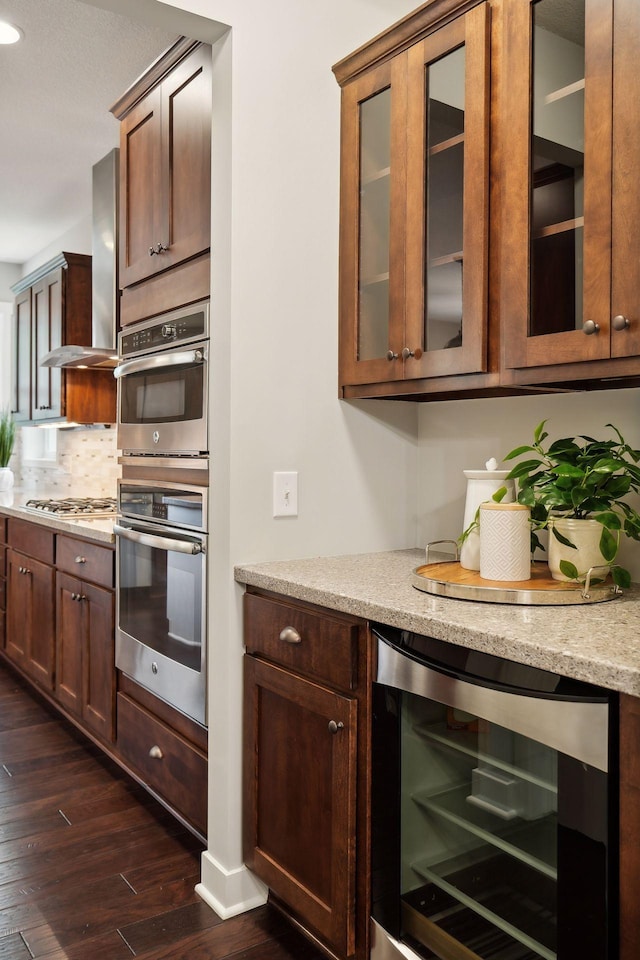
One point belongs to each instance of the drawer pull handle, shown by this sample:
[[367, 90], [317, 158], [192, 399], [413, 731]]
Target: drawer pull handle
[[290, 635], [334, 727], [80, 560], [156, 753]]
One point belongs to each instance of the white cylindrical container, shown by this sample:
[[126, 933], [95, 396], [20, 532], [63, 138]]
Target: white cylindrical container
[[481, 485], [505, 541]]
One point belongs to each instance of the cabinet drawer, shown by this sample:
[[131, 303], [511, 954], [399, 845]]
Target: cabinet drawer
[[3, 529], [3, 594], [3, 561], [31, 539], [166, 762], [85, 560], [314, 644]]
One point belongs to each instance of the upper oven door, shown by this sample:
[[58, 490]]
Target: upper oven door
[[162, 402]]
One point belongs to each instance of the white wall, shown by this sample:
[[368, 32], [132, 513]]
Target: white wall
[[75, 240], [464, 434]]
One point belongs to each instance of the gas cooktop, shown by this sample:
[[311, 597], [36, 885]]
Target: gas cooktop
[[75, 507]]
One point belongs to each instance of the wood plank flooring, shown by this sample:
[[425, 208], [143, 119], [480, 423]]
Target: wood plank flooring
[[92, 868]]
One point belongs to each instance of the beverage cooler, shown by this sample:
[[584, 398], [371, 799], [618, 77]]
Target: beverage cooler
[[493, 808]]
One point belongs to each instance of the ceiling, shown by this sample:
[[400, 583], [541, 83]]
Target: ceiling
[[57, 86]]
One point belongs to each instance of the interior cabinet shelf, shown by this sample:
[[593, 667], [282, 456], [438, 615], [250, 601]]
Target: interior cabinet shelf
[[456, 257], [382, 174], [531, 842], [563, 92], [553, 228], [466, 742], [446, 144], [375, 280], [479, 907]]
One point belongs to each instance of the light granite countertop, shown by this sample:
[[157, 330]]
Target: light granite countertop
[[98, 528], [596, 642]]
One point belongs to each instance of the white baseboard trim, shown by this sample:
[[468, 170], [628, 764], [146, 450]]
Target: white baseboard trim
[[229, 892]]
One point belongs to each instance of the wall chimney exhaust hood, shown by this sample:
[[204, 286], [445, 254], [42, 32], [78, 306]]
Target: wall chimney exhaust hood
[[104, 276]]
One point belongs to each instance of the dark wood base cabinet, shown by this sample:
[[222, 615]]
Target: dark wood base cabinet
[[305, 766], [629, 827], [60, 635]]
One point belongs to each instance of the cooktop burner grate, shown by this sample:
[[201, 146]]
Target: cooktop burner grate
[[75, 506]]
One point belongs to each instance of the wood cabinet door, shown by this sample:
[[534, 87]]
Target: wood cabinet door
[[184, 207], [300, 797], [69, 643], [447, 245], [140, 189], [21, 353], [98, 660], [85, 653], [555, 283], [46, 305], [165, 172], [31, 617], [625, 281], [18, 619], [372, 224]]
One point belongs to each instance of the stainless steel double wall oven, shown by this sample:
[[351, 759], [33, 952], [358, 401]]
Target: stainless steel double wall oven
[[161, 535]]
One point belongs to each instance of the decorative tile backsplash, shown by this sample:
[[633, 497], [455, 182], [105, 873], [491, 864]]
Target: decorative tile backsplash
[[85, 465]]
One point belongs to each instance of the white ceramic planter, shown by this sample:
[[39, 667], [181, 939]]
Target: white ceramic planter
[[585, 534], [6, 479]]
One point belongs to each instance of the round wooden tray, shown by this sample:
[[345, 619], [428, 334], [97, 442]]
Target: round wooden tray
[[449, 579]]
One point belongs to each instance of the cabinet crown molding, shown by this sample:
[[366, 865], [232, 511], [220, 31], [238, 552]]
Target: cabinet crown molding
[[61, 260], [153, 75], [403, 34]]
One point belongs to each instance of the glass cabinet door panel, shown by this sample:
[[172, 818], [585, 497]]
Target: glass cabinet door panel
[[375, 172], [557, 180], [556, 187], [447, 200], [372, 224]]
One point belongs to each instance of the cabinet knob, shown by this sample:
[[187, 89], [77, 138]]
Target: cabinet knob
[[290, 635], [621, 322], [152, 252], [161, 248], [334, 727], [44, 406], [590, 327], [156, 753], [406, 353], [391, 355], [80, 560]]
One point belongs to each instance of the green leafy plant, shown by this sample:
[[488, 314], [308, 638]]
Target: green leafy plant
[[581, 478], [7, 437]]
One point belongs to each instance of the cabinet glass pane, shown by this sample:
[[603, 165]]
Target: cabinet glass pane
[[375, 174], [557, 175], [444, 175]]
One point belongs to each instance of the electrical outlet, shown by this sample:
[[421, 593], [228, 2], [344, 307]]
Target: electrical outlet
[[285, 494]]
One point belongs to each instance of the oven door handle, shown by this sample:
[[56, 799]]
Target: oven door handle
[[159, 543], [140, 364]]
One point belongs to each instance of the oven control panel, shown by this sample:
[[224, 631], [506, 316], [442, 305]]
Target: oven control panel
[[178, 327]]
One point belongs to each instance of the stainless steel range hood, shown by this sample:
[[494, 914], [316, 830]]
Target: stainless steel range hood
[[104, 275]]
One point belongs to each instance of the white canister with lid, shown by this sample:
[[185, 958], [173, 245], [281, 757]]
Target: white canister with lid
[[481, 485], [505, 541]]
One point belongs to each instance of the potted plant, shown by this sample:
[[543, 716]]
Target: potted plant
[[7, 439], [579, 484]]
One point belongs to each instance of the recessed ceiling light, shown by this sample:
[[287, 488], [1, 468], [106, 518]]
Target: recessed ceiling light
[[9, 33]]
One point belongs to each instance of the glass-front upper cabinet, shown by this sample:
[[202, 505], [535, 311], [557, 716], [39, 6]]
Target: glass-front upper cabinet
[[414, 210], [566, 290]]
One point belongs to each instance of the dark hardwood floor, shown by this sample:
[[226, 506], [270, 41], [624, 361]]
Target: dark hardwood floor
[[92, 868]]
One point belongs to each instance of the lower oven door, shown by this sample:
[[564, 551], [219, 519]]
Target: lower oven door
[[161, 612]]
